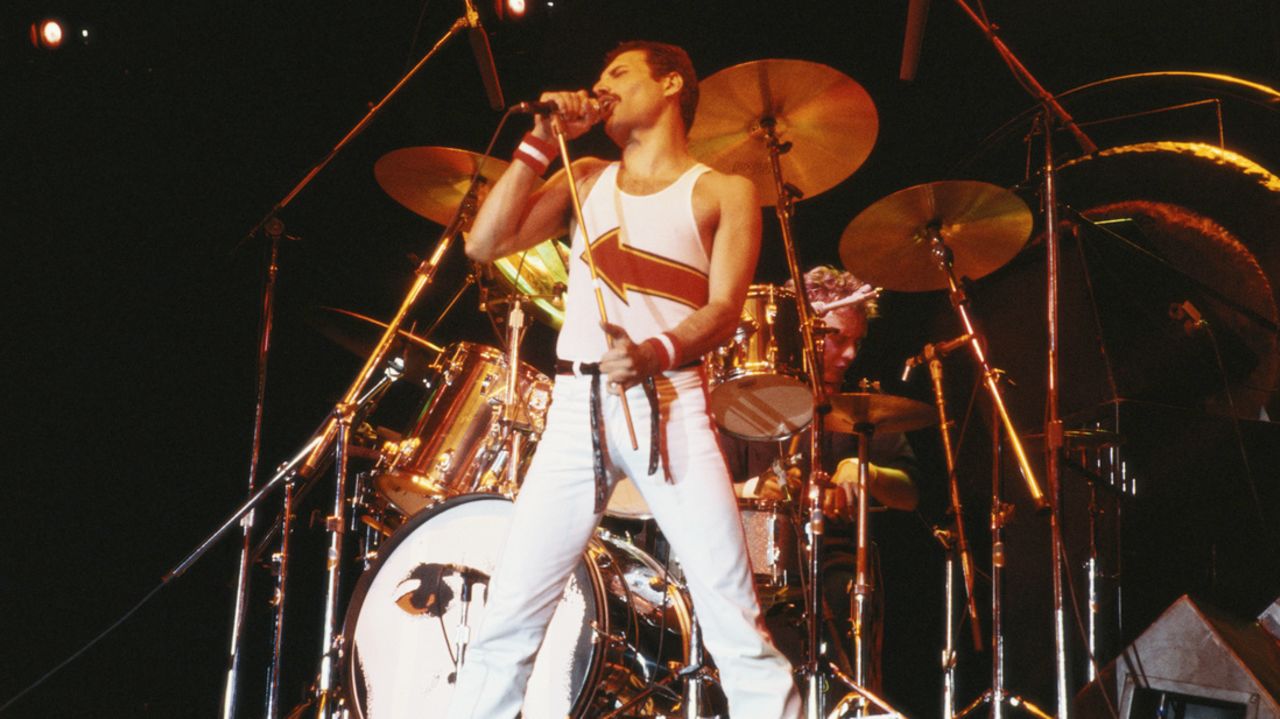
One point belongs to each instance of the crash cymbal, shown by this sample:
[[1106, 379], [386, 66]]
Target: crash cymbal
[[826, 117], [886, 412], [887, 244], [542, 274], [432, 181]]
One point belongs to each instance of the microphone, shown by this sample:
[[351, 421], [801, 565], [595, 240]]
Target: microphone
[[934, 351], [484, 58], [536, 107], [917, 14], [547, 107]]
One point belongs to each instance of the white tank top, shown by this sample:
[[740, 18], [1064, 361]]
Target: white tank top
[[653, 268]]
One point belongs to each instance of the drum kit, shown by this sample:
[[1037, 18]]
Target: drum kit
[[437, 498], [437, 495]]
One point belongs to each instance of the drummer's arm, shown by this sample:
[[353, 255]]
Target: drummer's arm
[[518, 214], [735, 248]]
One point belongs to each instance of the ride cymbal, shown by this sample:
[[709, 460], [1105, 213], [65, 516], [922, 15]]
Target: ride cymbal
[[888, 243], [824, 120]]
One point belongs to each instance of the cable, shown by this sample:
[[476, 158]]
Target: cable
[[1239, 435], [77, 654]]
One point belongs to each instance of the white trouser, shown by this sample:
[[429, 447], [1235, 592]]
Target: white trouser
[[555, 517]]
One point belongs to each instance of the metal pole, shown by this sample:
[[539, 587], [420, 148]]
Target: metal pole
[[240, 604], [1053, 439]]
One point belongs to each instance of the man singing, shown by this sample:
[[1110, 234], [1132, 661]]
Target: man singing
[[675, 244]]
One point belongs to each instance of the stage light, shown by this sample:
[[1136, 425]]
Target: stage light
[[510, 9], [47, 34]]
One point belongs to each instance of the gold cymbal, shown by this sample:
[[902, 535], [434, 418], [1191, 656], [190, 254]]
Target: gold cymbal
[[432, 181], [826, 117], [886, 412], [543, 276], [887, 244]]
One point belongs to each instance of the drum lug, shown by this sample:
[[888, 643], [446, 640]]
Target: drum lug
[[597, 635]]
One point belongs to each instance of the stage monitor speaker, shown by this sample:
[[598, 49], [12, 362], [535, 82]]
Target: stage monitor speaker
[[1193, 662]]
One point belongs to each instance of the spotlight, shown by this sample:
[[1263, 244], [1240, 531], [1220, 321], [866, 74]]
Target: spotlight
[[510, 9], [47, 34]]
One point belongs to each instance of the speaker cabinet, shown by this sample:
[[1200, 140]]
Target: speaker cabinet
[[1193, 662]]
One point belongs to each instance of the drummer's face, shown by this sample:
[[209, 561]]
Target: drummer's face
[[841, 346]]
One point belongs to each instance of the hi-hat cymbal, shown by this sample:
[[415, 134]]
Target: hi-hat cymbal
[[432, 181], [888, 244], [826, 117], [542, 274], [885, 412]]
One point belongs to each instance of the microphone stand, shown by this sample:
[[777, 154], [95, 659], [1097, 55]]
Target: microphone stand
[[268, 222], [240, 604], [1053, 434]]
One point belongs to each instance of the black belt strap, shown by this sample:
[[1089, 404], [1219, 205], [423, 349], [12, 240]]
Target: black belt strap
[[592, 369]]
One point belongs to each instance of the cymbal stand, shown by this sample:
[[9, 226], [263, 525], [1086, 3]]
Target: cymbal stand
[[515, 333], [811, 333], [954, 542], [811, 355], [1053, 111], [996, 696]]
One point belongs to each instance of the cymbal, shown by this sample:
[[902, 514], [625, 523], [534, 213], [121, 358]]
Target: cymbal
[[541, 273], [826, 117], [886, 412], [360, 337], [887, 243], [432, 181]]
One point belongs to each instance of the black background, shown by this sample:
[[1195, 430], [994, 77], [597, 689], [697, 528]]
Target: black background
[[134, 166]]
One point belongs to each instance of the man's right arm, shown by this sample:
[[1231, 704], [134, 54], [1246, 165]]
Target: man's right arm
[[518, 214]]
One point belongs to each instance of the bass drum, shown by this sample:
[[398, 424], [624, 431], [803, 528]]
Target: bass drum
[[614, 633]]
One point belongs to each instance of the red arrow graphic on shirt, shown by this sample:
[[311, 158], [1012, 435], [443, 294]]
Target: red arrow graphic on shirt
[[624, 268]]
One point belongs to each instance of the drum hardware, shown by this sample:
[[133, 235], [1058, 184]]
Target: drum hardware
[[865, 413], [989, 224], [1053, 113], [954, 540], [334, 435], [274, 230], [1001, 512], [746, 123]]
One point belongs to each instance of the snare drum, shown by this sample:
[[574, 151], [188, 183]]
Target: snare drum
[[758, 387], [457, 443], [614, 632]]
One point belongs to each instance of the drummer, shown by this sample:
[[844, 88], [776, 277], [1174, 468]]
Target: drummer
[[891, 473], [774, 474]]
